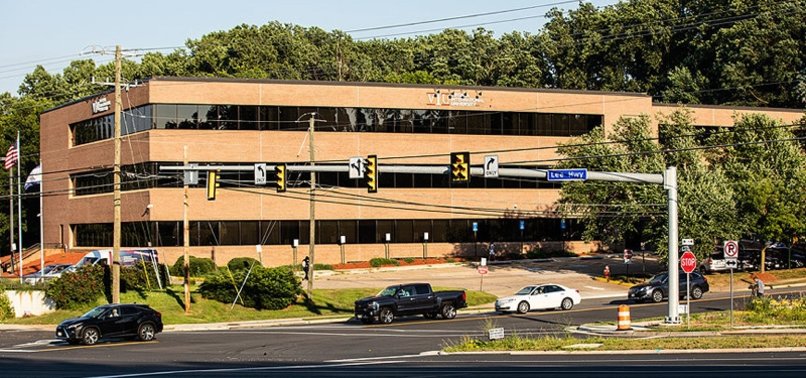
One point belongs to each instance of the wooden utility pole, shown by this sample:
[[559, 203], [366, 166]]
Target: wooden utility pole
[[312, 226], [186, 236], [115, 263]]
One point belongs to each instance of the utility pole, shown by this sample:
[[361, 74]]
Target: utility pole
[[115, 263], [312, 226], [186, 236]]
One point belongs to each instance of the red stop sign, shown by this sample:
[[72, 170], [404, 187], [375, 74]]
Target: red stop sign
[[688, 262]]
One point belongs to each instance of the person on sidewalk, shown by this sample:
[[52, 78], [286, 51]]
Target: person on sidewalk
[[306, 264], [492, 251], [759, 286], [607, 273]]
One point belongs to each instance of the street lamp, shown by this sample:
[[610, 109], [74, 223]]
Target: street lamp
[[425, 245], [342, 241]]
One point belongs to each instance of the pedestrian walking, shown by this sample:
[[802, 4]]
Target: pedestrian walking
[[492, 251], [607, 273], [306, 265], [759, 286]]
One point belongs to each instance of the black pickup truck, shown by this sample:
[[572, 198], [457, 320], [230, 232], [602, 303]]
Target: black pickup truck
[[409, 299]]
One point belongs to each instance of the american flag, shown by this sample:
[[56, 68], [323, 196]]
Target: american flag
[[11, 157]]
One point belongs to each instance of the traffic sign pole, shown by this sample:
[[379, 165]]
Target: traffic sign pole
[[731, 297]]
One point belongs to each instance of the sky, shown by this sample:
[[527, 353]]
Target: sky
[[53, 33]]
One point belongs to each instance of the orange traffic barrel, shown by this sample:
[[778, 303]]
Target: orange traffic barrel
[[623, 318]]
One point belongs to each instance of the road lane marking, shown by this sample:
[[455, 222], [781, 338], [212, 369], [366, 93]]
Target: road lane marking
[[233, 370], [58, 348]]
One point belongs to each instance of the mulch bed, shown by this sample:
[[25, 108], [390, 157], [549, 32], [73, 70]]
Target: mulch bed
[[366, 264]]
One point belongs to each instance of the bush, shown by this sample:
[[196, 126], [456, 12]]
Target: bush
[[198, 266], [409, 260], [75, 289], [242, 263], [380, 261], [322, 267], [142, 277], [6, 311], [768, 309], [266, 288]]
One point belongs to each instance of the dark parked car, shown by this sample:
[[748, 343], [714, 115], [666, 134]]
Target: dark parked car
[[409, 299], [112, 320], [657, 288]]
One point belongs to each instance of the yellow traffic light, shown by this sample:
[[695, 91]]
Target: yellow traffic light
[[371, 173], [280, 178], [212, 184], [460, 166]]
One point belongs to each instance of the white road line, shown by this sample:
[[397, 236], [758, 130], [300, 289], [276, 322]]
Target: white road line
[[594, 288], [233, 370], [423, 354]]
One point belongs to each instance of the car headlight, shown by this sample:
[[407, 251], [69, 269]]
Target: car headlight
[[374, 306], [506, 301]]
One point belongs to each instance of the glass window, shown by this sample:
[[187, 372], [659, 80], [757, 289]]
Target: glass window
[[439, 233], [230, 233], [288, 116], [404, 231], [248, 117], [385, 227], [249, 233], [366, 232], [349, 229], [228, 117], [165, 117], [328, 232], [422, 226], [270, 232], [269, 118], [188, 116], [168, 234]]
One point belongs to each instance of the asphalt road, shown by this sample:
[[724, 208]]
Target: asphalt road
[[404, 348]]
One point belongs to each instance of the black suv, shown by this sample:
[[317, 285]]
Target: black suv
[[112, 320], [658, 287]]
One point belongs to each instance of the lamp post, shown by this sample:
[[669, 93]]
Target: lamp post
[[294, 245], [425, 245], [342, 241], [386, 245]]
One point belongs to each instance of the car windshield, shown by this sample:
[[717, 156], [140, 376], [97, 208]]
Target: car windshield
[[388, 292], [660, 278], [94, 313], [525, 290]]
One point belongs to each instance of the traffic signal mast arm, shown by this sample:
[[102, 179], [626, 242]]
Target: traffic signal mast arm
[[638, 178]]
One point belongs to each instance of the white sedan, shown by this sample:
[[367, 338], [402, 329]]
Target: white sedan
[[539, 297]]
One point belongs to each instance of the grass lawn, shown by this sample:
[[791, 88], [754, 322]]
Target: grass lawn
[[170, 302], [517, 343]]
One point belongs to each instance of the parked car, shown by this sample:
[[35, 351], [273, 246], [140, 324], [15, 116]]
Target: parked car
[[112, 320], [539, 297], [48, 272], [409, 299], [657, 288]]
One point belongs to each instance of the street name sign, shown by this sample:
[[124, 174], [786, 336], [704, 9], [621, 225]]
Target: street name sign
[[574, 174]]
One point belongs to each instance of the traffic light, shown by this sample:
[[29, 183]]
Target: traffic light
[[280, 177], [460, 167], [371, 174], [212, 184]]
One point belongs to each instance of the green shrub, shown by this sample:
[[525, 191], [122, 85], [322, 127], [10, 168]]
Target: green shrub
[[142, 277], [409, 260], [322, 267], [6, 311], [266, 288], [75, 289], [198, 266], [380, 261], [242, 263]]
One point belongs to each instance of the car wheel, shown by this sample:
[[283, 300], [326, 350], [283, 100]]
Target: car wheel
[[657, 296], [567, 304], [448, 311], [90, 336], [146, 332], [366, 320], [386, 315], [523, 307], [696, 292]]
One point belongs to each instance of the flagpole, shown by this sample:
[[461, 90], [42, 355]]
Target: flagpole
[[19, 202], [11, 245], [41, 224]]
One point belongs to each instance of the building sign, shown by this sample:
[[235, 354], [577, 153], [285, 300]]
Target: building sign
[[100, 105], [446, 97]]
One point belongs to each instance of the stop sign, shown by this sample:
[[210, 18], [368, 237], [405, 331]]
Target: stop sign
[[688, 262]]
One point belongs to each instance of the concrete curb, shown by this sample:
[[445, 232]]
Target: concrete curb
[[630, 352]]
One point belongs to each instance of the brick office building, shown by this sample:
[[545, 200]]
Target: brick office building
[[242, 122]]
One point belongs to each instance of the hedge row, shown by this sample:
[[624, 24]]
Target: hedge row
[[265, 288]]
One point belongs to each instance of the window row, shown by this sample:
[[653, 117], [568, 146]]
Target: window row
[[169, 234], [147, 175], [100, 128], [250, 117]]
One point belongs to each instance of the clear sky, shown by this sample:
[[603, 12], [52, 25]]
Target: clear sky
[[52, 33]]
